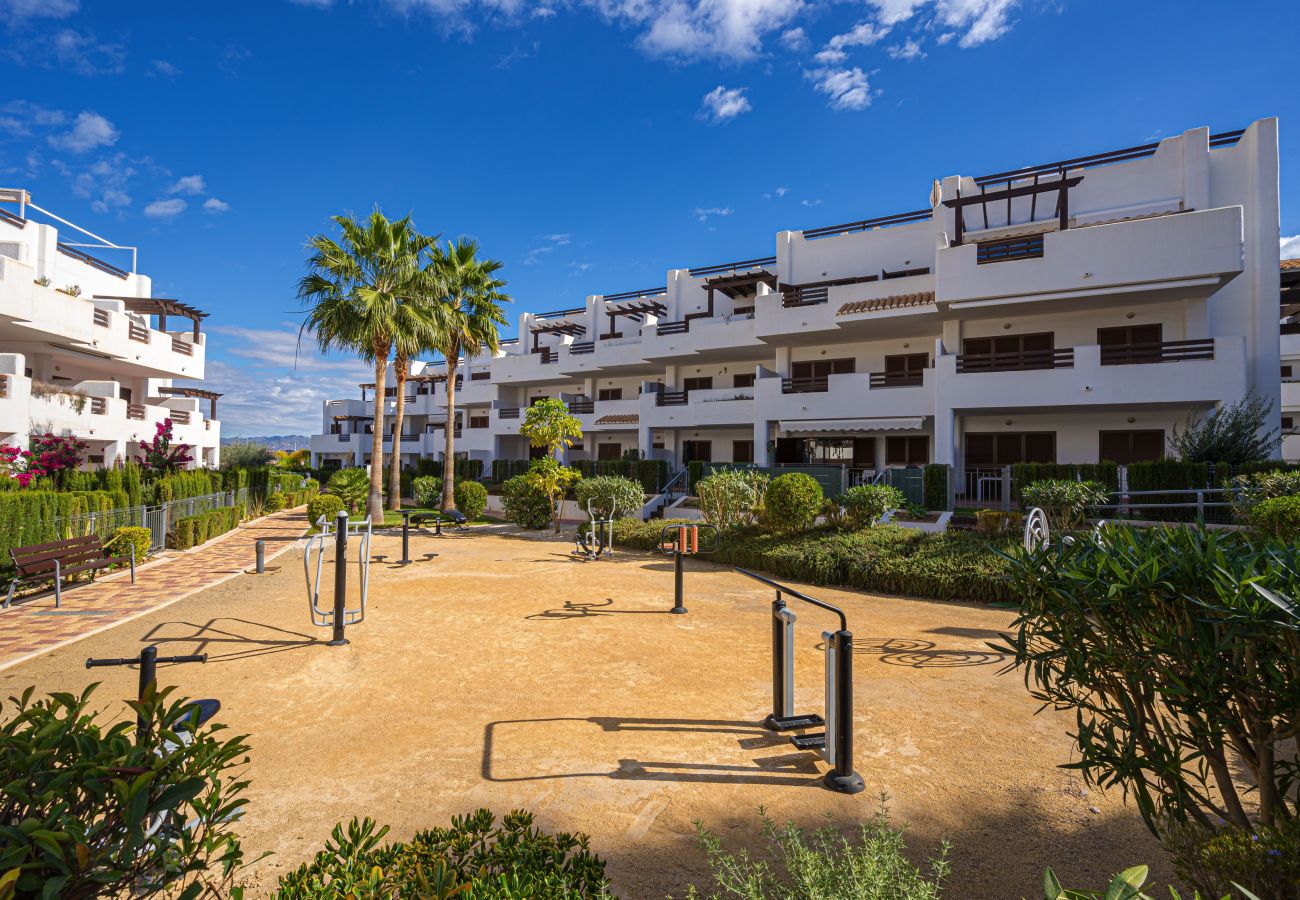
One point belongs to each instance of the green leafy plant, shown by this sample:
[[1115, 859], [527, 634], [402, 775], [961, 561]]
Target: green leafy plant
[[993, 522], [812, 865], [935, 483], [549, 425], [1065, 502], [525, 503], [1235, 433], [792, 502], [609, 493], [245, 454], [426, 491], [1278, 517], [552, 479], [866, 503], [352, 486], [1249, 490], [471, 498], [1127, 885], [277, 502], [327, 505], [80, 810], [474, 858], [1261, 861], [1180, 659], [128, 536], [731, 497]]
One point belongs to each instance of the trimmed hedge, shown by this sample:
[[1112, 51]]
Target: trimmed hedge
[[326, 505], [505, 469], [651, 473], [27, 517], [1278, 517], [886, 559], [936, 477], [792, 502], [131, 535], [1106, 473], [194, 531]]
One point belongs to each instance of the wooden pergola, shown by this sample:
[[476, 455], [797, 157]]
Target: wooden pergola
[[636, 310], [210, 396], [558, 327], [162, 308]]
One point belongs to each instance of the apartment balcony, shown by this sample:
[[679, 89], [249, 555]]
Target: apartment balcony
[[720, 337], [477, 389], [860, 395], [1178, 256], [607, 415], [542, 367], [698, 409], [344, 442], [506, 419], [1173, 373], [884, 304], [1291, 394]]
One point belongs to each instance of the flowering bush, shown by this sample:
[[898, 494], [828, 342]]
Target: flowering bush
[[159, 454], [19, 464], [55, 454]]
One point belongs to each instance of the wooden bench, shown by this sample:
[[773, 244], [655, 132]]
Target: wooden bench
[[59, 559]]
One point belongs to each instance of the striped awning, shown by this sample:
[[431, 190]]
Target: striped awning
[[842, 426]]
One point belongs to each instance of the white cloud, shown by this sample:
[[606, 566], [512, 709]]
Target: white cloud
[[704, 212], [164, 68], [17, 11], [166, 209], [908, 50], [945, 38], [984, 20], [779, 192], [1290, 247], [90, 130], [864, 34], [549, 244], [847, 88], [891, 12], [795, 40], [264, 395], [817, 202], [722, 104], [213, 205], [18, 118], [190, 184], [695, 29], [83, 54]]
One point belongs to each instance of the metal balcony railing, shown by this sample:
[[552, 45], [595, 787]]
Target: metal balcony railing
[[672, 398], [896, 379], [508, 412], [673, 327], [811, 296], [579, 407], [580, 348]]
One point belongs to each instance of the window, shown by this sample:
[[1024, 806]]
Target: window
[[821, 368], [906, 368], [1124, 447], [609, 394], [1006, 448], [1007, 352], [609, 451], [907, 451], [743, 381], [1130, 344], [1288, 423], [697, 450], [742, 451], [1286, 371], [478, 421], [703, 383]]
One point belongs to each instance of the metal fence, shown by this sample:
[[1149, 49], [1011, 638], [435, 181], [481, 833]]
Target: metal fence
[[1211, 505], [833, 479], [158, 519]]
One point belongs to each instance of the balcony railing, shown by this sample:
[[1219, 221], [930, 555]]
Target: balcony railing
[[138, 332], [919, 215], [896, 379], [580, 348], [673, 327], [480, 376], [579, 407], [740, 266], [508, 412], [344, 437], [185, 348], [1061, 358], [1160, 352], [93, 262], [4, 386], [809, 296], [548, 355], [102, 318], [814, 385], [672, 398], [180, 416], [135, 411], [98, 406], [1030, 247]]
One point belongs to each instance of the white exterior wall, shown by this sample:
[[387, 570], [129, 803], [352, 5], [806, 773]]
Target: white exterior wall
[[1186, 237]]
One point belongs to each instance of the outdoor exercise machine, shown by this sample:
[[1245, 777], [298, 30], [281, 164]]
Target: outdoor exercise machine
[[836, 743], [148, 662], [418, 519], [679, 542], [598, 542], [1038, 532], [340, 615]]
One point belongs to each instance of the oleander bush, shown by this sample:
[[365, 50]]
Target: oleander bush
[[79, 810], [792, 502], [864, 504], [525, 503], [327, 505], [474, 858], [471, 497], [731, 497], [1278, 517], [426, 491], [1065, 502], [609, 492]]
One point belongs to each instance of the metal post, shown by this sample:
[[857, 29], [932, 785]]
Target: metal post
[[260, 546], [340, 577], [678, 562], [148, 681], [406, 538], [1200, 506], [778, 662], [842, 778]]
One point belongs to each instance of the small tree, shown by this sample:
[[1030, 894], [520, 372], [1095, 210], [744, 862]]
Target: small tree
[[1233, 434], [552, 479], [549, 424], [245, 454], [159, 455]]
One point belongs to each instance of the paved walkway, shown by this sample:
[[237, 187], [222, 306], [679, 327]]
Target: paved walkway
[[35, 627]]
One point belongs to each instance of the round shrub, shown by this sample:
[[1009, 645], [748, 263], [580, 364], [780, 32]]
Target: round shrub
[[525, 504], [426, 490], [730, 497], [326, 505], [129, 536], [866, 503], [623, 494], [471, 498], [793, 502], [1278, 517], [276, 502], [352, 486], [1065, 502]]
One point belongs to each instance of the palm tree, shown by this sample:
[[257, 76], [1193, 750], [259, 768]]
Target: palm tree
[[468, 315], [359, 292]]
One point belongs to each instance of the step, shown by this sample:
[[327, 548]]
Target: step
[[809, 741], [794, 723]]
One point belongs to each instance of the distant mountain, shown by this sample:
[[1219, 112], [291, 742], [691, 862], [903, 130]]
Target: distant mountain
[[288, 442]]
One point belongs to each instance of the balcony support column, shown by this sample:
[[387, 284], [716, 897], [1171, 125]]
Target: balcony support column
[[945, 436], [762, 434], [783, 361]]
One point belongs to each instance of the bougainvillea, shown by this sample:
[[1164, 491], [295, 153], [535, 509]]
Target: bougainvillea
[[56, 454], [160, 455], [19, 464]]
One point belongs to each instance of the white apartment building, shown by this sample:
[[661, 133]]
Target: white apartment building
[[1290, 326], [1070, 312], [87, 350]]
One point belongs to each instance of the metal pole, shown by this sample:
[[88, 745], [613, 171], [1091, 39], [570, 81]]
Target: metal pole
[[340, 577], [148, 682], [406, 538], [678, 564], [261, 556], [778, 663], [842, 778]]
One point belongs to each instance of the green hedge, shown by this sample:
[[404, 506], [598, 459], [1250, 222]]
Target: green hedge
[[505, 469], [1106, 473], [936, 485], [651, 473], [194, 531], [28, 517], [885, 559]]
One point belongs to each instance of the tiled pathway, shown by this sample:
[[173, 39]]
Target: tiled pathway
[[35, 627]]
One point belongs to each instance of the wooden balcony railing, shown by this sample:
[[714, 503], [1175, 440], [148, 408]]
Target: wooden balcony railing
[[480, 376], [896, 379], [102, 318], [508, 412], [672, 398], [344, 437], [804, 296], [138, 332], [98, 406], [582, 347], [12, 219], [673, 327], [1161, 352], [180, 416], [1030, 247], [548, 355], [135, 411], [185, 348], [579, 407], [815, 385], [1060, 358]]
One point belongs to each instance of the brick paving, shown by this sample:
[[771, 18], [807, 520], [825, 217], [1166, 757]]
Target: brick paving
[[35, 627]]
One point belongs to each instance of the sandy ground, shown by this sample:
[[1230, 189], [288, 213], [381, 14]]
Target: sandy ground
[[504, 674]]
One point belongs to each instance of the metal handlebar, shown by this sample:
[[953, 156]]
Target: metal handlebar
[[785, 590], [135, 660], [673, 539]]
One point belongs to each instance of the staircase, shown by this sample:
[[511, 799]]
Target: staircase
[[672, 490]]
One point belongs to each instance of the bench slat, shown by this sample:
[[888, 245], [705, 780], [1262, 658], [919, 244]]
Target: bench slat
[[56, 545], [79, 554]]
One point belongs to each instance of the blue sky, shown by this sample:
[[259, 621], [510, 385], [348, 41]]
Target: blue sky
[[588, 144]]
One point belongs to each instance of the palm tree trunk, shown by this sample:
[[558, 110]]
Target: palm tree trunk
[[375, 502], [401, 365], [449, 430]]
